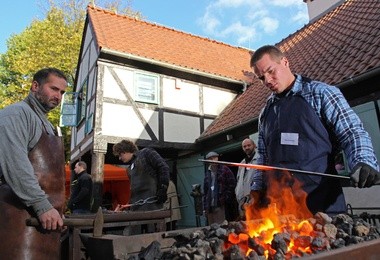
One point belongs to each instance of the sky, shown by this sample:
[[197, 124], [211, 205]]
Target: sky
[[244, 23]]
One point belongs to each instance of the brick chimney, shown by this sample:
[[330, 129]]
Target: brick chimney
[[317, 8]]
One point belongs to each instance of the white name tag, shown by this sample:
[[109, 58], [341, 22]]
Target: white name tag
[[289, 138]]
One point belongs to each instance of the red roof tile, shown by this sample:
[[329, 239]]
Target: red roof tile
[[342, 44], [160, 43]]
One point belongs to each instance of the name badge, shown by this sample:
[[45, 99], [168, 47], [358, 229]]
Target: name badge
[[289, 138]]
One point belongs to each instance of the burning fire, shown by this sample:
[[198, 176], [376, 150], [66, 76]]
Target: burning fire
[[287, 205]]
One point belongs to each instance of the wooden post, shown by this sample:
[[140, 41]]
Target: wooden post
[[97, 173]]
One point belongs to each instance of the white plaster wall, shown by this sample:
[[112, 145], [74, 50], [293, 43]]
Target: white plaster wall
[[180, 128], [181, 95], [122, 121], [317, 7], [111, 88], [127, 77], [215, 100], [207, 122]]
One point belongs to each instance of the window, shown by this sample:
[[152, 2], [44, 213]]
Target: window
[[73, 107], [69, 109], [82, 102], [89, 123], [146, 88]]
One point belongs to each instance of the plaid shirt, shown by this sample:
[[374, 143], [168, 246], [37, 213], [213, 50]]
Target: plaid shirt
[[152, 163], [224, 186], [332, 108]]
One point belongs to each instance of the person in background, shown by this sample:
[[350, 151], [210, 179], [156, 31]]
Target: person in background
[[245, 176], [81, 190], [32, 173], [149, 176], [172, 203], [218, 190], [303, 125], [196, 193]]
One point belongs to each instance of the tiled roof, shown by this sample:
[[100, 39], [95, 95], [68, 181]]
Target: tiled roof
[[342, 44], [159, 43]]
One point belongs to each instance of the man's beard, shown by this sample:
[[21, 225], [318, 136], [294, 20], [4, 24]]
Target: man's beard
[[44, 101]]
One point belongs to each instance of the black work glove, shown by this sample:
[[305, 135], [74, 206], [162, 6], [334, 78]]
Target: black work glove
[[364, 176], [162, 195]]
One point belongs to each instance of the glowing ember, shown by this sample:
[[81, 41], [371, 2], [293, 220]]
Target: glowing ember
[[281, 216]]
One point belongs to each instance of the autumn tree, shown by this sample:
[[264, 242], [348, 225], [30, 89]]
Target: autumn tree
[[51, 42]]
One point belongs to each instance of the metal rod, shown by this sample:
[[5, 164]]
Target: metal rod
[[269, 168], [66, 222]]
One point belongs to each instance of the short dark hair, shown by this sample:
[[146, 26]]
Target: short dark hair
[[125, 146], [272, 50], [82, 164], [42, 75]]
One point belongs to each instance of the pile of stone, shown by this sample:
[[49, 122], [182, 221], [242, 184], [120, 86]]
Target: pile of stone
[[214, 241]]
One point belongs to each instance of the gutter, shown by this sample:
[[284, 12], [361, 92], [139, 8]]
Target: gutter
[[167, 65], [344, 84], [361, 77]]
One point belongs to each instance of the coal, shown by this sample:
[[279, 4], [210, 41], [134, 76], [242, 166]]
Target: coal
[[303, 241], [280, 243], [153, 251], [223, 241]]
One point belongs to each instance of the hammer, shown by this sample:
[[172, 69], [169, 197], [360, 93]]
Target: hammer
[[96, 223]]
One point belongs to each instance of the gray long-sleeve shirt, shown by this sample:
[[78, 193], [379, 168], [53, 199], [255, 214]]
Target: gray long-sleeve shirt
[[20, 130]]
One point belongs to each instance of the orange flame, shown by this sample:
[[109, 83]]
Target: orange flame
[[287, 204]]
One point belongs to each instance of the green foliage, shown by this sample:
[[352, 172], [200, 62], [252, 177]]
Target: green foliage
[[51, 42]]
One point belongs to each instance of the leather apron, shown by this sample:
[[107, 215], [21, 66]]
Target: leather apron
[[18, 240], [143, 185], [296, 138]]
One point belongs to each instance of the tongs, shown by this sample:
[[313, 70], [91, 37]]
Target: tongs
[[140, 202]]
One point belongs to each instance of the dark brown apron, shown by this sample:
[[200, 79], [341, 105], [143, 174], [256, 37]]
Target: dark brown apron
[[19, 241]]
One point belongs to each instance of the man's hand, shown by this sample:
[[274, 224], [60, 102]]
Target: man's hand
[[120, 207], [364, 176], [51, 219], [244, 201], [162, 195]]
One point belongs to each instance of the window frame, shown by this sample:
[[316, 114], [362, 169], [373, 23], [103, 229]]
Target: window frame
[[142, 91]]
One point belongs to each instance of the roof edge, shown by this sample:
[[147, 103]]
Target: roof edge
[[358, 78], [170, 66], [231, 128]]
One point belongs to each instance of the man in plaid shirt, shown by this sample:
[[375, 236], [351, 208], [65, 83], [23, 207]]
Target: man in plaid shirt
[[303, 125]]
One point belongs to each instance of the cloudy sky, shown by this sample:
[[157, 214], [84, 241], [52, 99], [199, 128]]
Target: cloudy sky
[[246, 23]]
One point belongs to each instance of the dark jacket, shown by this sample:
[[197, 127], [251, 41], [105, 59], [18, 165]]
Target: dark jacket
[[149, 176], [225, 187], [81, 192]]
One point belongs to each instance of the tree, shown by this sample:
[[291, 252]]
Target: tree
[[52, 42]]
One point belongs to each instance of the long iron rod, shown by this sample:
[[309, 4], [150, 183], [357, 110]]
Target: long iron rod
[[269, 168]]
